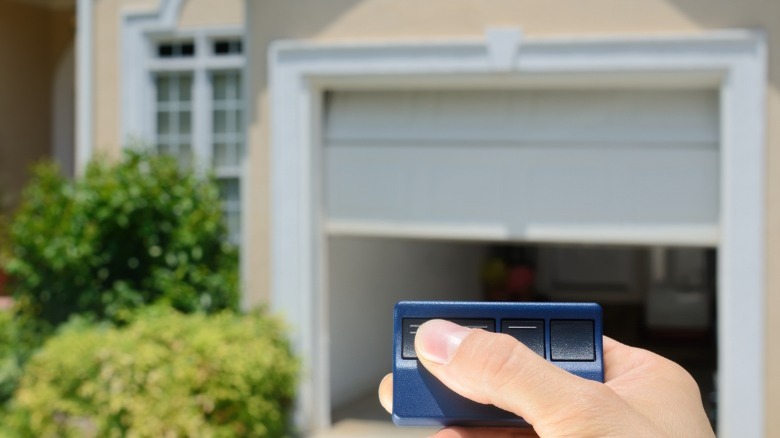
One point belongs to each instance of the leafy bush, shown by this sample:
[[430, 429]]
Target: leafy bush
[[164, 374], [19, 338], [125, 235]]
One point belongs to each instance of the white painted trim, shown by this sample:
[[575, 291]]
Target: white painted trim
[[734, 60], [84, 90], [185, 64], [741, 259], [249, 191]]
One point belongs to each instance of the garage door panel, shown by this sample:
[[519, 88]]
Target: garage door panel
[[521, 185], [556, 116], [410, 161]]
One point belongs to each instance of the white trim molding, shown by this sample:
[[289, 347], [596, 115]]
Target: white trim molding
[[734, 62], [84, 91]]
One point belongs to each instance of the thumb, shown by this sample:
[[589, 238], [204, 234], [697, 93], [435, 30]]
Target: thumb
[[494, 368]]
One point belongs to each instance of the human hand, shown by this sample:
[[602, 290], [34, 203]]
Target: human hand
[[644, 393]]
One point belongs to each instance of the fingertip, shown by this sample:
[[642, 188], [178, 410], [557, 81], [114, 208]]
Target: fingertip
[[386, 393], [437, 340]]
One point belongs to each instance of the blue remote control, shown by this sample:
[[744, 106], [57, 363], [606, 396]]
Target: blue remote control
[[568, 335]]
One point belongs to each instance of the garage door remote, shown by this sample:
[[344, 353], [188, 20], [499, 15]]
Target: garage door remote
[[566, 334]]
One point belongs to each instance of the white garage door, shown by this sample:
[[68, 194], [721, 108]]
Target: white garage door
[[625, 166]]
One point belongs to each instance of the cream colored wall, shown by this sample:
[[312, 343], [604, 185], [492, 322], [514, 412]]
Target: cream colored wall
[[209, 13], [32, 41], [412, 19], [107, 73]]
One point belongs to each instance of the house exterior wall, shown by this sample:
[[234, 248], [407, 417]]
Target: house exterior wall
[[107, 72], [361, 20], [106, 69], [33, 40], [209, 13]]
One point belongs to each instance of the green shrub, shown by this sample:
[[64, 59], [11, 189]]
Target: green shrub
[[163, 374], [19, 338], [125, 235]]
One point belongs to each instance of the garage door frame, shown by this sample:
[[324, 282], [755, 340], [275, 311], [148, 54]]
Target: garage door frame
[[733, 61]]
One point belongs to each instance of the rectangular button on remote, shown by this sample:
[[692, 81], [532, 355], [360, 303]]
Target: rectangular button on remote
[[572, 340], [528, 331], [410, 326]]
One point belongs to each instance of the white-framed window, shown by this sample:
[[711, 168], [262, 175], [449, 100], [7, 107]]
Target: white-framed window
[[198, 110], [173, 115]]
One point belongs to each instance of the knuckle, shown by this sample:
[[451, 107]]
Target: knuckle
[[504, 367]]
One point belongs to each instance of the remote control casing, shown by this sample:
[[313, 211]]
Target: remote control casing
[[419, 399]]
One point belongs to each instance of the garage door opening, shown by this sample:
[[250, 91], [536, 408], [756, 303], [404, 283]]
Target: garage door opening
[[658, 298]]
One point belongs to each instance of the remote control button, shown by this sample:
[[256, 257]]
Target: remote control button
[[572, 340], [528, 331], [410, 326], [489, 325]]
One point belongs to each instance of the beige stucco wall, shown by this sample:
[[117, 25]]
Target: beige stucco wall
[[414, 19], [211, 13], [33, 39], [107, 71]]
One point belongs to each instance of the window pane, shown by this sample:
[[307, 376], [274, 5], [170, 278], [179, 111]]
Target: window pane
[[219, 84], [227, 47], [163, 88], [163, 149], [238, 121], [220, 155], [227, 155], [237, 86], [220, 122], [234, 226], [163, 123], [232, 155], [187, 49], [165, 50], [185, 88], [229, 190], [185, 155], [185, 122], [176, 49]]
